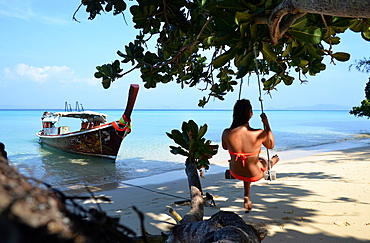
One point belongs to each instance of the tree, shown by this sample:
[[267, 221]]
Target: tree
[[292, 36], [197, 151], [364, 109]]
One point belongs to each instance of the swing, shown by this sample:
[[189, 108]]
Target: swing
[[271, 174]]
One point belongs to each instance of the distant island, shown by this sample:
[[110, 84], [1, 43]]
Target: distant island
[[319, 107]]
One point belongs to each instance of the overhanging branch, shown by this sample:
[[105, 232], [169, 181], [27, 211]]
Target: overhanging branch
[[278, 29]]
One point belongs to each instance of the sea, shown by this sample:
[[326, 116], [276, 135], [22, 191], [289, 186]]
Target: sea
[[145, 152]]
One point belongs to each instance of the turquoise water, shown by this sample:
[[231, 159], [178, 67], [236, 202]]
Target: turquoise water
[[145, 151]]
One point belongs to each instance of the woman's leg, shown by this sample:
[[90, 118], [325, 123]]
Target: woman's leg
[[273, 160], [247, 196]]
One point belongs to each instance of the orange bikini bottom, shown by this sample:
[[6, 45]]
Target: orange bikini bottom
[[249, 179]]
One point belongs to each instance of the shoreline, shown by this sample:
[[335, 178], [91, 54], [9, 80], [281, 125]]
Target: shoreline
[[322, 196], [222, 164]]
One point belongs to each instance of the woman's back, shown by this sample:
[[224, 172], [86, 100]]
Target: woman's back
[[244, 144], [243, 139]]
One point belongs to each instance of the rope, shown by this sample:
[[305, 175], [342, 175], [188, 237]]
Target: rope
[[240, 89], [150, 190], [261, 102], [147, 189]]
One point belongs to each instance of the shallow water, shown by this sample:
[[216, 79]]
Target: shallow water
[[145, 151]]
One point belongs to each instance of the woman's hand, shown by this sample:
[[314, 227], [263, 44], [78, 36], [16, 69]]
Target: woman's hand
[[264, 119], [270, 140]]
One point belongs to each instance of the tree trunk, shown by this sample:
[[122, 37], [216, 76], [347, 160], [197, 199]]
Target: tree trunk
[[339, 8], [298, 8], [197, 203], [222, 226]]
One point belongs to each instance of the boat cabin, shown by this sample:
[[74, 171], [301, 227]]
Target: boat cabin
[[49, 121], [89, 120]]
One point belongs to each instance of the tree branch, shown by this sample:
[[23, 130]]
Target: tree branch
[[277, 30]]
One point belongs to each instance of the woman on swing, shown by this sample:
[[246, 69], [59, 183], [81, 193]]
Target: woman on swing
[[244, 145]]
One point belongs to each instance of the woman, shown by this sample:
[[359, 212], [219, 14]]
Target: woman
[[244, 145]]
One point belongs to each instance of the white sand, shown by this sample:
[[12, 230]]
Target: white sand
[[319, 198]]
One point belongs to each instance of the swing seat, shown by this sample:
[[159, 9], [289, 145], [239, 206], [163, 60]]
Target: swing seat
[[273, 175], [228, 175]]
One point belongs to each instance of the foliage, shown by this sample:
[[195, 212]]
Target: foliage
[[231, 31], [364, 109], [362, 65], [192, 144]]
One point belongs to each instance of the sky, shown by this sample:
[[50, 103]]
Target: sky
[[46, 59]]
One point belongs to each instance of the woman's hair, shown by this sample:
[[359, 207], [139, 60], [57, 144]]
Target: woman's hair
[[242, 113]]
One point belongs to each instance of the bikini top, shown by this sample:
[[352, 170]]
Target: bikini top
[[243, 156]]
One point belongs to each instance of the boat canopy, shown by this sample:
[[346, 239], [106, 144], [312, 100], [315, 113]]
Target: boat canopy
[[50, 119], [82, 114]]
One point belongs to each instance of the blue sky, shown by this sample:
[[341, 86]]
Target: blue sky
[[46, 58]]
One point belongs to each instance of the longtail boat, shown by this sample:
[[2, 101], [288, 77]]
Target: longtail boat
[[95, 138]]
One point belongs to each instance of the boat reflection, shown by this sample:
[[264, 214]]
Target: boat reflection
[[72, 171]]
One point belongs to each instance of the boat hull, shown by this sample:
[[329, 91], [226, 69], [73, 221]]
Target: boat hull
[[102, 141]]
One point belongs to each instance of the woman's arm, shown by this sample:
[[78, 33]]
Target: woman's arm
[[224, 145], [269, 141]]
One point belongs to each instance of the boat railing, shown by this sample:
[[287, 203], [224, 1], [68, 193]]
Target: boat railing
[[78, 107], [66, 108]]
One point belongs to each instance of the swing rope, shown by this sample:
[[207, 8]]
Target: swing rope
[[240, 88], [262, 110]]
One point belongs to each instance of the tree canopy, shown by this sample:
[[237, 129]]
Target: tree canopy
[[213, 43]]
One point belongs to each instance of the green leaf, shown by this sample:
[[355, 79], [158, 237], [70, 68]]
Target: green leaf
[[242, 71], [242, 17], [341, 56], [300, 24], [226, 57], [288, 50], [366, 33], [303, 63], [288, 80], [119, 7], [193, 128], [310, 35], [202, 131], [357, 26], [271, 82], [169, 135], [333, 40], [268, 53], [178, 138], [98, 75], [106, 83], [247, 59], [178, 150], [341, 22], [108, 7]]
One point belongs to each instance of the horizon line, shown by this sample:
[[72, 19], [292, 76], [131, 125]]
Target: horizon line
[[172, 109]]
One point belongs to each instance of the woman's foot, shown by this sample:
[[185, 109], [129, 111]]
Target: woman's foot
[[274, 160], [247, 204]]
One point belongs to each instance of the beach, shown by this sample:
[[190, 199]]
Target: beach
[[318, 196], [321, 193]]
